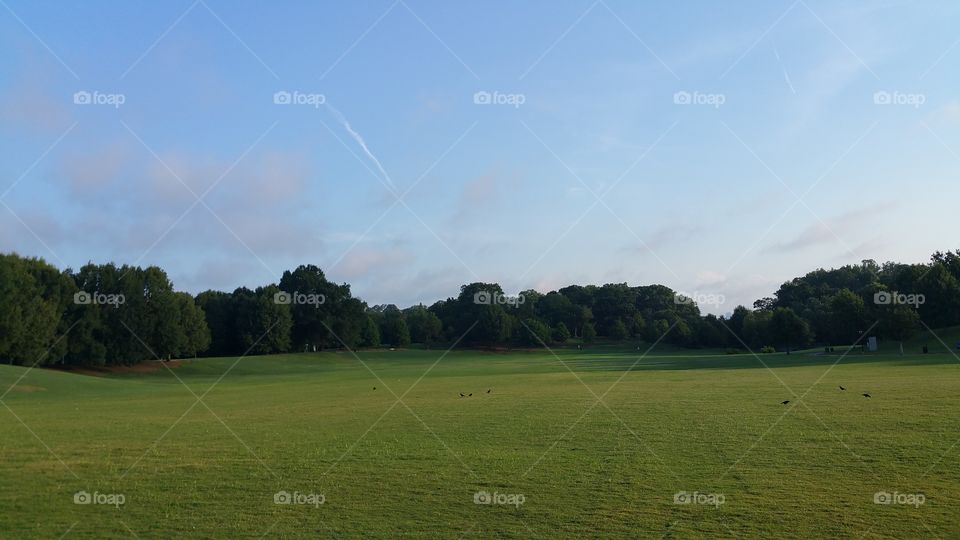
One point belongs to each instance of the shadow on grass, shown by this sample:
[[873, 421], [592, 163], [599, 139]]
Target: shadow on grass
[[653, 362]]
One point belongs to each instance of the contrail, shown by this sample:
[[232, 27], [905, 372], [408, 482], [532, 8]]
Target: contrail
[[356, 136], [786, 77]]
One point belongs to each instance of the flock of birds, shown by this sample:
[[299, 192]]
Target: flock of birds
[[784, 402], [866, 395], [461, 393]]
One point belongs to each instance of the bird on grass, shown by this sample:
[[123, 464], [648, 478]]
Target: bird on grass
[[488, 391], [374, 387], [785, 402], [470, 394], [866, 395], [461, 394], [842, 388]]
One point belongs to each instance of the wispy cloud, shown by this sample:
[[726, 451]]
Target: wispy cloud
[[830, 230]]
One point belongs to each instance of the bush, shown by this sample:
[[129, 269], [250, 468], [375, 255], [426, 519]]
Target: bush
[[766, 349]]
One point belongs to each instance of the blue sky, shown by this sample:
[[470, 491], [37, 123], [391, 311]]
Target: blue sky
[[717, 150]]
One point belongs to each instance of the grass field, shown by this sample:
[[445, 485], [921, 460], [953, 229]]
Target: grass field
[[313, 424]]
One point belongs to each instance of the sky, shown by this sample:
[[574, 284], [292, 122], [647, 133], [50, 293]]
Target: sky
[[408, 147]]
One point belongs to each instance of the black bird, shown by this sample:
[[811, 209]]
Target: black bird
[[374, 387], [461, 394], [470, 395], [488, 391], [785, 402], [866, 395], [842, 388]]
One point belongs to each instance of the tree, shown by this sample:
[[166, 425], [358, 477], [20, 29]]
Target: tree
[[711, 332], [560, 333], [370, 336], [534, 333], [33, 298], [478, 310], [425, 327], [311, 320], [637, 325], [788, 329], [899, 322], [589, 333], [263, 325], [219, 311], [618, 331], [765, 304], [847, 316], [394, 329], [656, 331], [756, 329], [195, 334]]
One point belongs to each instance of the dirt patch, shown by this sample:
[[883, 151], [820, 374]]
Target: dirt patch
[[142, 367], [29, 388]]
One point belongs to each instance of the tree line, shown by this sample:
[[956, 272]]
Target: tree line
[[108, 315], [99, 315]]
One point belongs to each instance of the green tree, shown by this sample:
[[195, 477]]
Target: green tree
[[560, 333], [33, 298], [394, 329], [534, 333], [195, 334], [263, 325], [899, 323], [425, 327], [218, 309], [370, 337], [788, 329], [589, 333], [618, 331], [847, 316]]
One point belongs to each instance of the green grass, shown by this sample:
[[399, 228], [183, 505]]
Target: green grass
[[678, 421]]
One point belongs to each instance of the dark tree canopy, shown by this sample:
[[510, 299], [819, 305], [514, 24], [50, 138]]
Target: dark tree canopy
[[104, 314]]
